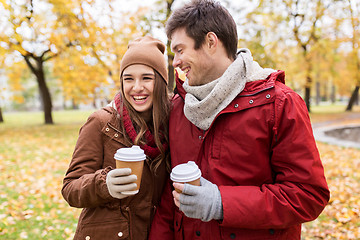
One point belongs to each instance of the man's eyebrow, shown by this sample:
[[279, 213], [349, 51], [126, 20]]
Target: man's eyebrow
[[173, 48]]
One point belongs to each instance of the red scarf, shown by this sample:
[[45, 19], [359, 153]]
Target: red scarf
[[150, 147]]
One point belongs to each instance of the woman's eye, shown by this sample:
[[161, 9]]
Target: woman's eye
[[128, 79]]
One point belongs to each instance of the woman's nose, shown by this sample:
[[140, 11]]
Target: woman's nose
[[138, 86]]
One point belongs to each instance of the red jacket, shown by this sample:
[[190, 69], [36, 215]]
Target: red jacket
[[261, 153]]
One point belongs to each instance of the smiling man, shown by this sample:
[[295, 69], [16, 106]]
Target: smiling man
[[250, 135]]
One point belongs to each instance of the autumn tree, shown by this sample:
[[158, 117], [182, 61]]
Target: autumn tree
[[92, 68], [354, 64], [170, 55], [83, 47], [30, 35], [34, 35], [154, 21], [2, 88], [301, 33], [303, 18]]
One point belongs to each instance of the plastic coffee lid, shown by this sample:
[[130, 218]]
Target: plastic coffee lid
[[135, 153], [185, 172]]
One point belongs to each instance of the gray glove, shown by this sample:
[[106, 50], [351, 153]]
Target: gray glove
[[119, 180], [201, 202]]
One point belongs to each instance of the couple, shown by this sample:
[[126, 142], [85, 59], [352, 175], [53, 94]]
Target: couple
[[250, 135]]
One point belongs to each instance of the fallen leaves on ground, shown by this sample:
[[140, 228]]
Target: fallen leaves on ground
[[341, 217], [33, 164], [34, 161]]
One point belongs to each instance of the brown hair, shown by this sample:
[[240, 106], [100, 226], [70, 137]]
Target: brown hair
[[159, 123], [200, 17]]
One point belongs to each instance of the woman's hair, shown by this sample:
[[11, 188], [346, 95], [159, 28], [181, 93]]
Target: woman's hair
[[200, 17], [159, 123]]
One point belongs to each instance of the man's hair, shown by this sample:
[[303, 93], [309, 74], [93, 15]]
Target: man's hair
[[202, 16]]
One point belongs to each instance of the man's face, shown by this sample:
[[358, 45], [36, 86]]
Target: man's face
[[196, 64]]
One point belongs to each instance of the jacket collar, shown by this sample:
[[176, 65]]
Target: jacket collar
[[179, 86]]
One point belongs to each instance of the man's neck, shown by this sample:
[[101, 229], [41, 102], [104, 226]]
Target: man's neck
[[221, 65]]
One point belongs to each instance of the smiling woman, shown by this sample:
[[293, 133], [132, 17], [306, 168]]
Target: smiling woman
[[137, 116], [138, 85]]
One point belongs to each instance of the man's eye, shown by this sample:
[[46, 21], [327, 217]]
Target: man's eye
[[179, 50]]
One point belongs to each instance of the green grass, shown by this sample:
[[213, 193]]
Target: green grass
[[327, 113], [37, 118], [34, 158]]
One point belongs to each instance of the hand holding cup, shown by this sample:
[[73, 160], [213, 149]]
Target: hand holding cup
[[133, 160], [185, 173], [119, 180]]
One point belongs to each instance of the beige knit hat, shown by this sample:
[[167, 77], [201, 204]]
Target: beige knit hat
[[148, 51]]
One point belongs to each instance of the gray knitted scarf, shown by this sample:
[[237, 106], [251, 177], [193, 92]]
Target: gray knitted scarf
[[203, 103]]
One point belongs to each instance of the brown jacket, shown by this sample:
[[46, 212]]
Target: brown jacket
[[105, 217]]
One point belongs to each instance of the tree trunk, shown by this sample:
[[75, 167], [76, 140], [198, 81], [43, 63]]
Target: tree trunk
[[1, 116], [333, 94], [171, 84], [318, 97], [308, 88], [38, 71], [326, 92], [74, 105], [353, 99], [307, 97], [46, 98]]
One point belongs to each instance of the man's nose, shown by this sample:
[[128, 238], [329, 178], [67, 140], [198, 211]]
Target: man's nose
[[176, 62]]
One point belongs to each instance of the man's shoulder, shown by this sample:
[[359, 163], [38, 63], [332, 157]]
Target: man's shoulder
[[283, 91], [177, 101]]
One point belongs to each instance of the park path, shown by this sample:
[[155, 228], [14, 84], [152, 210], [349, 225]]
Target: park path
[[352, 120]]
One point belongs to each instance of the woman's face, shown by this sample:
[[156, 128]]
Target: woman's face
[[138, 86]]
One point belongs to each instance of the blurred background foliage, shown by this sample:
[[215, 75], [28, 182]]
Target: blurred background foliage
[[64, 54]]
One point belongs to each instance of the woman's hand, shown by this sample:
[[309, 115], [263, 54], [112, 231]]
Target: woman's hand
[[119, 180]]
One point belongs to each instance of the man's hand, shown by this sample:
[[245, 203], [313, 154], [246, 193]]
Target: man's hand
[[119, 180], [201, 202]]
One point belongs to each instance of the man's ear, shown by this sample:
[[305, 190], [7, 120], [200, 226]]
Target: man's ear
[[211, 41]]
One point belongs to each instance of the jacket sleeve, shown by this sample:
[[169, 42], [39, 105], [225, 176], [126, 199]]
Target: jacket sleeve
[[163, 224], [84, 185], [299, 192]]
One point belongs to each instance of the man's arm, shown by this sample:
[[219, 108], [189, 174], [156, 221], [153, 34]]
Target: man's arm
[[299, 192]]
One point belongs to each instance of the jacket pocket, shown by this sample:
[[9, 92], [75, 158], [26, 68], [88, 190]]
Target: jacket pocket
[[178, 229], [113, 133], [117, 229]]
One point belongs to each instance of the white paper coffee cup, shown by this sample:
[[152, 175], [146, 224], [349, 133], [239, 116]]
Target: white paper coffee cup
[[132, 158], [186, 173]]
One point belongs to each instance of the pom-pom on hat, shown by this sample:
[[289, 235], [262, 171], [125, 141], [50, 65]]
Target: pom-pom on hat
[[148, 51]]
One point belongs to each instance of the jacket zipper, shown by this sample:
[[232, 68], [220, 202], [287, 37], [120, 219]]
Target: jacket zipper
[[130, 221]]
